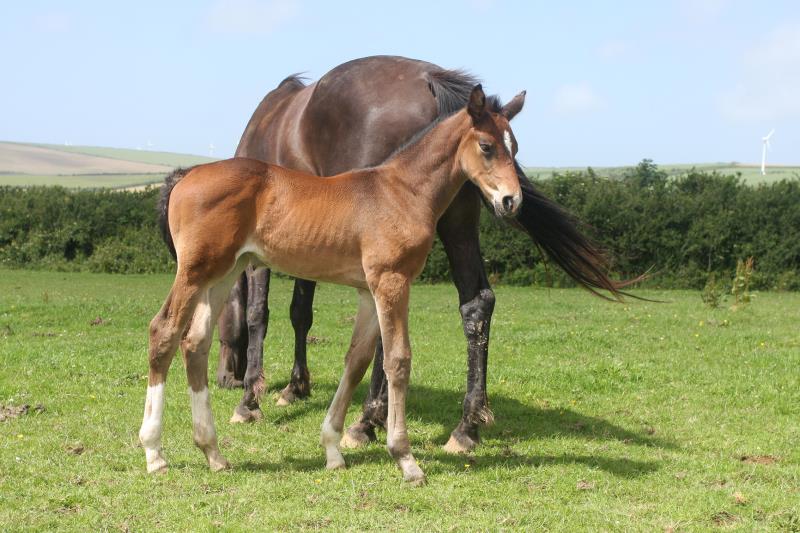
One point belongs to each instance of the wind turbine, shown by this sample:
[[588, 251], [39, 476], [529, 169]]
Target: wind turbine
[[211, 149], [149, 144], [764, 147]]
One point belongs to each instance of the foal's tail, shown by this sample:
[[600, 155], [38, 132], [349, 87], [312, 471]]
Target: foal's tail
[[557, 233], [163, 206]]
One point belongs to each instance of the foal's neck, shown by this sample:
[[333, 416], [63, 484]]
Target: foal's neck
[[429, 168]]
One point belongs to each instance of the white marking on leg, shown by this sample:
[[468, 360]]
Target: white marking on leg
[[329, 437], [507, 141], [205, 434], [150, 432]]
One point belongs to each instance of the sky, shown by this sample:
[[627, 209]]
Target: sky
[[608, 83]]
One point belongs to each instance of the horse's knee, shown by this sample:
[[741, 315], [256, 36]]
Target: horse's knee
[[397, 369], [476, 314]]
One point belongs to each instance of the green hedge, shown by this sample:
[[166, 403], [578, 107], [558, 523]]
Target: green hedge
[[680, 229]]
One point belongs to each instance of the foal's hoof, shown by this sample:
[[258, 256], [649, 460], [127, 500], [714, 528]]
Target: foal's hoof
[[358, 435], [242, 415], [462, 444], [159, 466], [219, 464], [416, 481], [336, 464]]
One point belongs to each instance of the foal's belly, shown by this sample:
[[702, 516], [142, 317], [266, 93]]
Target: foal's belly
[[309, 261]]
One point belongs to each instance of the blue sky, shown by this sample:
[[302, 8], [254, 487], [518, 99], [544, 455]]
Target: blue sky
[[608, 83]]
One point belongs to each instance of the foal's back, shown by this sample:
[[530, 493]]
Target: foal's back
[[301, 224]]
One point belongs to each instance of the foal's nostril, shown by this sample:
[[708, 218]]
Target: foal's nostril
[[508, 203]]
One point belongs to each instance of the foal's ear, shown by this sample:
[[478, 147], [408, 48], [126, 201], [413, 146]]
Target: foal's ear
[[477, 102], [511, 109]]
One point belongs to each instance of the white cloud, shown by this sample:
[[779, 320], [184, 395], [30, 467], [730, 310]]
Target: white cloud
[[769, 86], [576, 98], [612, 50], [52, 22], [700, 11], [250, 16]]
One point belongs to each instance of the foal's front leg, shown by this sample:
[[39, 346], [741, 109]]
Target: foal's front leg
[[391, 294]]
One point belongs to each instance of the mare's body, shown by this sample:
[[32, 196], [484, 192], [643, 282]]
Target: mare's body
[[356, 116]]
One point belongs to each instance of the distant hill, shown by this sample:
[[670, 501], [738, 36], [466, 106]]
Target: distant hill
[[29, 164]]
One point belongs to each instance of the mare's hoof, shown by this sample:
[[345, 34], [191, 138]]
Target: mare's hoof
[[287, 396], [228, 381], [243, 415], [357, 435], [462, 444]]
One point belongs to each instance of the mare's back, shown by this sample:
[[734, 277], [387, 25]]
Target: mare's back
[[355, 116]]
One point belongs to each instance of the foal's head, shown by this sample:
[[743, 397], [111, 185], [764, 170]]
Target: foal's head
[[487, 150]]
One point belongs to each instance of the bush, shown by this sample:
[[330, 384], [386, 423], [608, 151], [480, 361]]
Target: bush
[[680, 229]]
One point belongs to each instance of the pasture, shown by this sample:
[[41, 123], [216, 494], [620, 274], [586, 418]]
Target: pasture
[[636, 416], [24, 164]]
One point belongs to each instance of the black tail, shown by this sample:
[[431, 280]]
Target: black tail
[[163, 206], [557, 233]]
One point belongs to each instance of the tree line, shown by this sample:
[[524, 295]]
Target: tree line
[[680, 229]]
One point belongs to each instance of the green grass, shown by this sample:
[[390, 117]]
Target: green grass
[[139, 156], [750, 174], [82, 180], [631, 417]]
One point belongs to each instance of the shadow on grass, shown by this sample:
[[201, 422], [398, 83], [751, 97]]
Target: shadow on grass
[[439, 462], [515, 422]]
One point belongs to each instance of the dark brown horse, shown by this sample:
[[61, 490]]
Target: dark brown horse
[[356, 116], [370, 229]]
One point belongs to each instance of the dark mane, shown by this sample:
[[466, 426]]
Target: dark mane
[[451, 89], [294, 81]]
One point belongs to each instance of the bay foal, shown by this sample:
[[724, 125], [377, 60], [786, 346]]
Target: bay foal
[[366, 230]]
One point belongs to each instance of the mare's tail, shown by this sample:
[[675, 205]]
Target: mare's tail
[[557, 233], [163, 207]]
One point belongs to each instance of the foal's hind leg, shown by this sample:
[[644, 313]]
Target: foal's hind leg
[[195, 347], [362, 345], [166, 329]]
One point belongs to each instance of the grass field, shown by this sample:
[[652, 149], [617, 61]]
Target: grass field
[[632, 417]]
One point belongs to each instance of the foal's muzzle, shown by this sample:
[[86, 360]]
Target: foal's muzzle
[[508, 206]]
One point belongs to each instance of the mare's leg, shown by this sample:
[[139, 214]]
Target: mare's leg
[[166, 330], [195, 347], [376, 403], [458, 229], [362, 345], [391, 292], [302, 315], [233, 337], [257, 321]]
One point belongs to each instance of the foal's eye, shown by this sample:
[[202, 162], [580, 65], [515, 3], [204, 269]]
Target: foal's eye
[[486, 148]]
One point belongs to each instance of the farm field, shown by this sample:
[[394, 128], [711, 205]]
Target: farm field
[[24, 164], [624, 417]]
